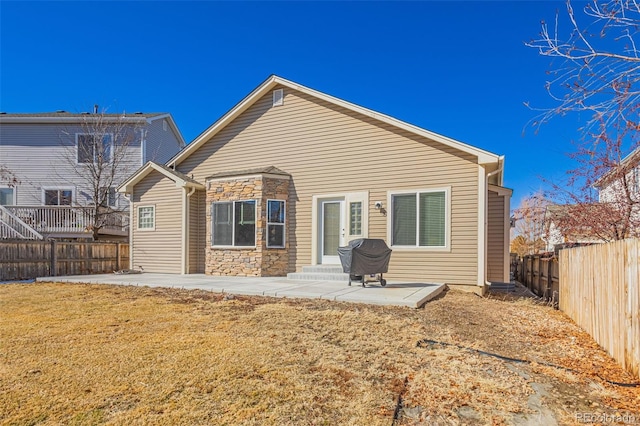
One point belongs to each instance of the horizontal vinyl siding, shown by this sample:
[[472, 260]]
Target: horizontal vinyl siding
[[495, 238], [158, 250], [329, 149], [45, 155], [161, 144]]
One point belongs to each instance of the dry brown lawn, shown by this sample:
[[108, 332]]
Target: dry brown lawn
[[96, 354]]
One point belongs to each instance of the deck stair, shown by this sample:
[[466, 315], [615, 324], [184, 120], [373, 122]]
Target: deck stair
[[320, 273], [12, 227]]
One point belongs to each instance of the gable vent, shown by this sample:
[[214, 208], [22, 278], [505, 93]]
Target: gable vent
[[278, 97]]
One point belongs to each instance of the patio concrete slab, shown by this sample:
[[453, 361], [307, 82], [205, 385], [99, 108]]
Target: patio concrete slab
[[412, 295]]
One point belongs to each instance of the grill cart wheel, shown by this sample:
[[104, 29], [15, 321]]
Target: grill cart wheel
[[383, 282]]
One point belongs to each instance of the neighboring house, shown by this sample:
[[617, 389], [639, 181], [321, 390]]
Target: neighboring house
[[611, 189], [590, 223], [556, 236], [290, 174], [44, 152]]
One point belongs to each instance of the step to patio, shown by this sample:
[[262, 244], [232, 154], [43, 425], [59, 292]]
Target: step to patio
[[320, 273]]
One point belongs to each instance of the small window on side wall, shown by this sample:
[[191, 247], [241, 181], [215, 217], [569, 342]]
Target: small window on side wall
[[276, 215], [7, 197], [147, 218], [58, 197]]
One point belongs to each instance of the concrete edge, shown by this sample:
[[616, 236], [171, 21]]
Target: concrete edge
[[430, 296]]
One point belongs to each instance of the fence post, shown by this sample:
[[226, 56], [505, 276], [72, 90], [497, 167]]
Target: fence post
[[54, 259], [118, 256], [547, 292]]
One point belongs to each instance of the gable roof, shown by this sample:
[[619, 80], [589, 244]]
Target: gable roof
[[180, 179], [60, 117], [484, 157]]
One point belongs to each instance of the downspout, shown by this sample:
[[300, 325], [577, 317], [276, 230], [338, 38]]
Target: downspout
[[484, 217], [482, 228], [129, 196], [185, 229]]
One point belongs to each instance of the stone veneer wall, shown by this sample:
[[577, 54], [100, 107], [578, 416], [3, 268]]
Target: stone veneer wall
[[258, 261]]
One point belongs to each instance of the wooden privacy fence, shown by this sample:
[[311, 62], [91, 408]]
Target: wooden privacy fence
[[599, 291], [540, 274], [20, 260]]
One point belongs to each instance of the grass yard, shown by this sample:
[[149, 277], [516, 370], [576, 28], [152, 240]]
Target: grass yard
[[96, 354]]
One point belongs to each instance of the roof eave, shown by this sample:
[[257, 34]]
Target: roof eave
[[79, 119], [126, 187]]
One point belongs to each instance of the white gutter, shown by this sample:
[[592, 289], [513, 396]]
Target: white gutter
[[76, 119]]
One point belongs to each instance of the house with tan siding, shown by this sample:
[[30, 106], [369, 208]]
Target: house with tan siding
[[290, 174]]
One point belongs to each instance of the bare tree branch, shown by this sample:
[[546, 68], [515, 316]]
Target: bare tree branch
[[596, 70]]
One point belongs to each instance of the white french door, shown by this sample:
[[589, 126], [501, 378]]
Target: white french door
[[340, 219]]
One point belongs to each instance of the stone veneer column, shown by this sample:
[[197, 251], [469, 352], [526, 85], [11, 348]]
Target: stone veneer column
[[258, 261]]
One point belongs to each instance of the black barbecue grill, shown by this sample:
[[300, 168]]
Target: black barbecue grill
[[365, 257]]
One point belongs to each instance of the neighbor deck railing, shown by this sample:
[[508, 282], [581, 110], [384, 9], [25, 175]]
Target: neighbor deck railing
[[67, 219]]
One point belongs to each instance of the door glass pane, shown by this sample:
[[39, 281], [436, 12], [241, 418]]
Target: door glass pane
[[432, 219], [355, 218], [330, 228], [404, 220]]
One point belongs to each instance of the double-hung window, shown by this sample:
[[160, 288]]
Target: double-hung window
[[420, 218], [276, 223], [147, 218], [233, 223], [94, 148]]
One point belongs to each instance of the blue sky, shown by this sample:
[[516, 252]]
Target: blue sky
[[456, 68]]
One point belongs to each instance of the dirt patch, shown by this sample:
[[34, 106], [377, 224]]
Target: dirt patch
[[93, 354]]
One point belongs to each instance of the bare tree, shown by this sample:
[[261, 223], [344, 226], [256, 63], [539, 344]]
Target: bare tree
[[596, 70], [98, 152], [530, 226], [8, 177]]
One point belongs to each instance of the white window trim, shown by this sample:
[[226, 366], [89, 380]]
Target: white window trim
[[233, 221], [58, 188], [15, 193], [284, 224], [447, 218], [153, 228], [93, 134]]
